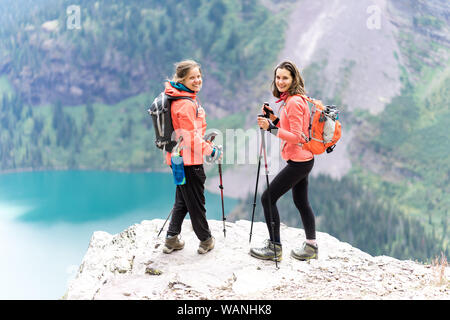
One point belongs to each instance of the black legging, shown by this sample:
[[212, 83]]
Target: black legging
[[295, 176]]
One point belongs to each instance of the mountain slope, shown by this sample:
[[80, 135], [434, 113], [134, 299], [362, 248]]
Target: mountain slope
[[127, 48], [81, 96]]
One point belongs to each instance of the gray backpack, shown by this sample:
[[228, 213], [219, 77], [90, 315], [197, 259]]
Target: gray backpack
[[160, 111]]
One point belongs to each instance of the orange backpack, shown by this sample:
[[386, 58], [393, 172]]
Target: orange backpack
[[324, 128]]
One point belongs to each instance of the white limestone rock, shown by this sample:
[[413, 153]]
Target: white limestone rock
[[131, 265]]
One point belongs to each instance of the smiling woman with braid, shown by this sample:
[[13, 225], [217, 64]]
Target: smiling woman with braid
[[189, 121]]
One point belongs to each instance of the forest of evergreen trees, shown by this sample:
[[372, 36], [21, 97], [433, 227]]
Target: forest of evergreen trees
[[354, 214], [234, 40]]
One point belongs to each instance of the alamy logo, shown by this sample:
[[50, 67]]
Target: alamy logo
[[374, 20], [240, 147], [73, 17]]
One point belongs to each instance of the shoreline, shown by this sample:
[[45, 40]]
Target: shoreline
[[208, 186], [79, 169]]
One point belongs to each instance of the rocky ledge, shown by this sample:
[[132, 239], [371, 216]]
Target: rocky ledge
[[131, 265]]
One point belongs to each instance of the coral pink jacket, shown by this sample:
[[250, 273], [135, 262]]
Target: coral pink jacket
[[189, 120], [294, 120]]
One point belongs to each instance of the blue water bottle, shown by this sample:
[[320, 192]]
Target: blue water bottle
[[178, 169]]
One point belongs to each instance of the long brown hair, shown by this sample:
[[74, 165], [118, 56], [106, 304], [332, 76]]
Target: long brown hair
[[297, 86]]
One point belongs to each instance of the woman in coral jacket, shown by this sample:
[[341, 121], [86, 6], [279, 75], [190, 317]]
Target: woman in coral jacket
[[291, 127], [189, 121]]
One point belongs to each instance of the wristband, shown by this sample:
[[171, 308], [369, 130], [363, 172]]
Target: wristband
[[272, 129]]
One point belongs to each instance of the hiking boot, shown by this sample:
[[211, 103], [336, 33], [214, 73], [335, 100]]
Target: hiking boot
[[173, 243], [268, 251], [206, 245], [306, 252]]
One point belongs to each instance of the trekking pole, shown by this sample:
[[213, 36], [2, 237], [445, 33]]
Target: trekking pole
[[257, 176], [256, 192], [272, 223], [221, 195], [165, 223], [210, 137]]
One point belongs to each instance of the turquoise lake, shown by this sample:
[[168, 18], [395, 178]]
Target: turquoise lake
[[47, 219]]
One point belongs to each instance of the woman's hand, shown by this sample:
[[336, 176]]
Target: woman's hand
[[216, 154], [219, 149], [263, 123], [318, 102], [271, 115]]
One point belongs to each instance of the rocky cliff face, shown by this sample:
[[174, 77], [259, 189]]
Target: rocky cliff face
[[131, 265], [64, 76], [346, 50]]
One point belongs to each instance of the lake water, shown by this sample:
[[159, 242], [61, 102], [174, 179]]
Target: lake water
[[47, 220]]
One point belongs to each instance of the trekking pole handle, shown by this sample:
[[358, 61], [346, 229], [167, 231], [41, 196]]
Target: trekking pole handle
[[211, 136], [177, 146], [267, 111]]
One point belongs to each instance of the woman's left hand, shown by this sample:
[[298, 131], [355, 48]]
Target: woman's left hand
[[263, 123]]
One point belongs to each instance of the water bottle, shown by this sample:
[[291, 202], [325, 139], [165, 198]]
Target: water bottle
[[178, 169]]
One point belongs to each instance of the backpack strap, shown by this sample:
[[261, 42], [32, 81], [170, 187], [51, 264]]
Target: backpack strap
[[316, 105], [303, 134], [187, 98], [179, 98]]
